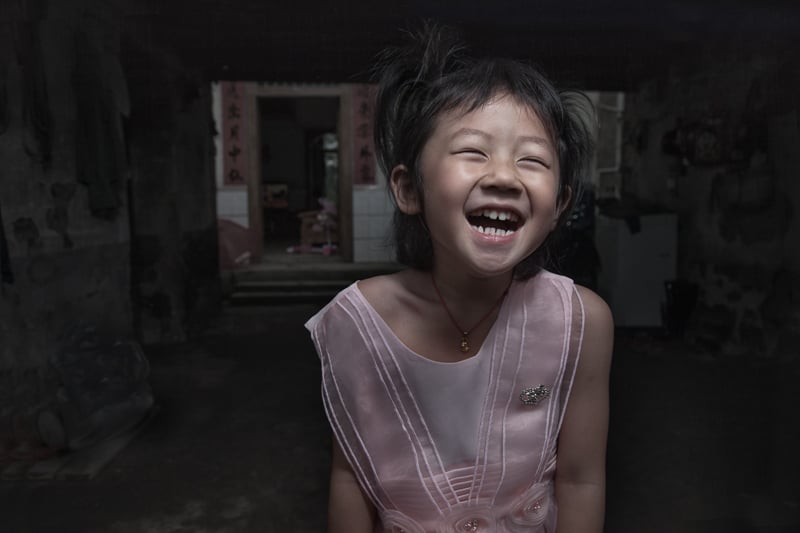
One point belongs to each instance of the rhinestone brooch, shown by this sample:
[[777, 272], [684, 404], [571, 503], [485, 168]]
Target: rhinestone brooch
[[534, 395]]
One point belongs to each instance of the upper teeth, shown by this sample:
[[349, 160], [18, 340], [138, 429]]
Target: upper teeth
[[498, 215]]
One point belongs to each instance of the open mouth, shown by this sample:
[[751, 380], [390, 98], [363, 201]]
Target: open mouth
[[494, 222]]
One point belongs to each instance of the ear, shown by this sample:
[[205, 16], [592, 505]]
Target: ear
[[563, 202], [405, 195]]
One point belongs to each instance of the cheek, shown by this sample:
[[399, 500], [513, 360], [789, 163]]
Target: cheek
[[544, 197], [439, 192]]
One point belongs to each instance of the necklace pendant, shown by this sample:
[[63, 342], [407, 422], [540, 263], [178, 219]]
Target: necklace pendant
[[464, 344]]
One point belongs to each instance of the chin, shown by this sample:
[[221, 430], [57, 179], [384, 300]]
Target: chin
[[490, 269]]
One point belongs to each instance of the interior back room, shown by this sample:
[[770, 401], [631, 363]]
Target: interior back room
[[299, 157]]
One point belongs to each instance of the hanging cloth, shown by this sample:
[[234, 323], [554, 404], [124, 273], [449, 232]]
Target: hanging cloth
[[38, 133], [100, 150], [6, 274], [4, 110]]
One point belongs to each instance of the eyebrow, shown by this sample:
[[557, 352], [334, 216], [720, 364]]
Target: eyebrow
[[527, 138], [470, 131]]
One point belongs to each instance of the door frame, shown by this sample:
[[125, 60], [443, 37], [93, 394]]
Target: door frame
[[344, 131]]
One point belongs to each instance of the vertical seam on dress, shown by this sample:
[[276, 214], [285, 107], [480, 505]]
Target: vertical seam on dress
[[553, 406], [511, 392], [577, 296], [493, 394], [484, 429], [397, 400], [331, 410]]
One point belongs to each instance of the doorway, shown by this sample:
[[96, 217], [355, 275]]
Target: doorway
[[299, 156], [299, 185]]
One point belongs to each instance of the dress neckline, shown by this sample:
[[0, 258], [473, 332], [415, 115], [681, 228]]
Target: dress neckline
[[502, 314]]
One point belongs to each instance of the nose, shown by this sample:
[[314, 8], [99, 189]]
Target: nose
[[502, 176]]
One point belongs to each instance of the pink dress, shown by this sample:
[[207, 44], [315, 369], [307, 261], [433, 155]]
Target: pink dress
[[452, 447]]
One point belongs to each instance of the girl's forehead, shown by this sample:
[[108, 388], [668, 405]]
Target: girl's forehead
[[501, 106]]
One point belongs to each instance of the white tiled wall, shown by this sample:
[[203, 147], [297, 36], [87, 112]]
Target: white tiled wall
[[372, 215]]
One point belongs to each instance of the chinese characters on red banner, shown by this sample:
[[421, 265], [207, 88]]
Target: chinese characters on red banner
[[233, 147], [363, 148]]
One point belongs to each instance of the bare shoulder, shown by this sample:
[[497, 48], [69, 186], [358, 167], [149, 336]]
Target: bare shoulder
[[389, 293], [377, 288], [598, 329], [373, 287], [596, 309]]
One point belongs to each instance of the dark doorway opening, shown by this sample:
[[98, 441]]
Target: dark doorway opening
[[299, 155]]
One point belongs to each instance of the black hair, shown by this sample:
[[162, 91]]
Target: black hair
[[433, 74]]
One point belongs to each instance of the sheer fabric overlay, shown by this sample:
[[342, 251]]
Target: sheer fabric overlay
[[443, 447]]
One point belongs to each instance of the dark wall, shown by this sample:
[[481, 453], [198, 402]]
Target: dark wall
[[175, 278], [62, 196], [718, 141], [106, 183]]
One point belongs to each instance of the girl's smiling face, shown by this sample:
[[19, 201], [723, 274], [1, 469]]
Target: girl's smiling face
[[490, 180]]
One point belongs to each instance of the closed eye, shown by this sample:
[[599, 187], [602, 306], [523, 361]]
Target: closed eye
[[473, 151], [535, 161]]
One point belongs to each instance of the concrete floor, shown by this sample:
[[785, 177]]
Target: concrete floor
[[240, 443]]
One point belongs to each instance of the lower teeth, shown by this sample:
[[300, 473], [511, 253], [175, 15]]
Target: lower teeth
[[493, 231]]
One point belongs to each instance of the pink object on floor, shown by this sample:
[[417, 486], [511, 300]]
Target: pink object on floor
[[236, 244]]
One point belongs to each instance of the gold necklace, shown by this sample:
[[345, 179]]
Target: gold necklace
[[464, 347]]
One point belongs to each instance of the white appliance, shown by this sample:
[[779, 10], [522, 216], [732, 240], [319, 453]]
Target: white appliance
[[638, 254]]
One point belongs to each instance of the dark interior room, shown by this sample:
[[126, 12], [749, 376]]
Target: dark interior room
[[183, 184]]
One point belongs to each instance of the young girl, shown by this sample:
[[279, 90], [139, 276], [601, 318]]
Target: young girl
[[470, 391]]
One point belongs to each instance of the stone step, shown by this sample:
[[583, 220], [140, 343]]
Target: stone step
[[264, 297], [301, 285], [327, 272], [298, 284]]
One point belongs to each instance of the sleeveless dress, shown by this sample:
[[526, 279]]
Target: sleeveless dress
[[452, 447]]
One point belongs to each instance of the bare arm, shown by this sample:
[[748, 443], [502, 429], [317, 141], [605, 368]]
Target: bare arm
[[349, 510], [580, 474]]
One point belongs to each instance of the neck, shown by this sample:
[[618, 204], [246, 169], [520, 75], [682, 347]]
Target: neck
[[466, 291], [469, 309]]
